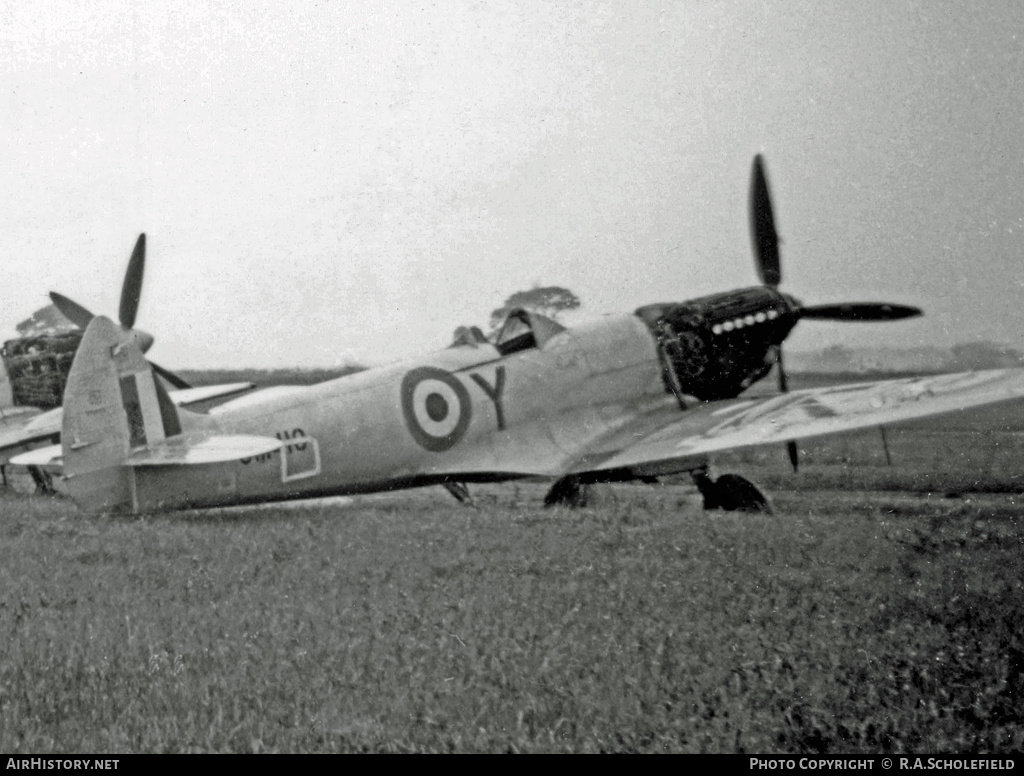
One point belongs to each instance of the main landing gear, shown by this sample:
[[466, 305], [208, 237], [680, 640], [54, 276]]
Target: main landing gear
[[567, 492], [730, 492], [43, 480]]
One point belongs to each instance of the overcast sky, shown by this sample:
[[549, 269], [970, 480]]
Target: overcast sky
[[326, 181]]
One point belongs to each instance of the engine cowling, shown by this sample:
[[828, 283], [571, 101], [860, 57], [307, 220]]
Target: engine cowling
[[715, 347]]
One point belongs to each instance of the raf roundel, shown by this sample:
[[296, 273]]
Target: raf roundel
[[436, 406]]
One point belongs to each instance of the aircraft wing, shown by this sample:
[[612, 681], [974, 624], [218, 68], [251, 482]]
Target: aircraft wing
[[15, 415], [50, 458], [665, 442], [28, 427]]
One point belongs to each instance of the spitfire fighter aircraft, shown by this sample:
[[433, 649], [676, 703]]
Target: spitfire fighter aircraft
[[34, 370], [629, 397]]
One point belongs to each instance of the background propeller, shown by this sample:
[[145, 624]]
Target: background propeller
[[131, 293], [765, 240]]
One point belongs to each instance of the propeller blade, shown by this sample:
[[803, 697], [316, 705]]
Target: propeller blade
[[762, 227], [73, 311], [131, 290], [860, 311], [169, 376]]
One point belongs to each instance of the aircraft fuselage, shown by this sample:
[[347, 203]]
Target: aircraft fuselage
[[461, 410]]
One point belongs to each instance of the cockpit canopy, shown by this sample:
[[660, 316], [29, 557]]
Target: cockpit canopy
[[524, 329]]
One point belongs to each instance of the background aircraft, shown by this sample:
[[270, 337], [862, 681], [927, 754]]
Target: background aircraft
[[627, 397], [34, 369]]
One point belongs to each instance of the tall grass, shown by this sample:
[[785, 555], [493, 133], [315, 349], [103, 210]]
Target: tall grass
[[405, 622]]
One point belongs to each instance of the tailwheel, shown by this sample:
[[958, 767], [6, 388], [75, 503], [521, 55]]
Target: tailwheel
[[730, 492], [567, 492]]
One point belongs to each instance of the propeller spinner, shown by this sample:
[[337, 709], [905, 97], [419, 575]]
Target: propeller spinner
[[131, 293], [765, 241]]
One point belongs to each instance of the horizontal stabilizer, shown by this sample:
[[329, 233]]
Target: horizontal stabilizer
[[197, 452], [34, 426], [53, 455], [176, 452]]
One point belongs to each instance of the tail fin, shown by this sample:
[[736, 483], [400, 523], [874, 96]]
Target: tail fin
[[113, 404]]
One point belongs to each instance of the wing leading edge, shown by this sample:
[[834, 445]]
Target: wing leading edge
[[717, 427]]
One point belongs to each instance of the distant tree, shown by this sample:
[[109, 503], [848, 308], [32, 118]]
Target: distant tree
[[983, 355], [546, 300], [46, 320], [837, 358]]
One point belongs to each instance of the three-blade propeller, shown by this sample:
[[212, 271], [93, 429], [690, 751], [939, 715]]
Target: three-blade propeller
[[765, 241], [131, 293]]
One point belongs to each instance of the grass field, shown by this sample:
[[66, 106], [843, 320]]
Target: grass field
[[881, 609], [844, 623]]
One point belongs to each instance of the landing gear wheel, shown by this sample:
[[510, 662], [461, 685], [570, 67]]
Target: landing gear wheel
[[567, 492], [730, 492]]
